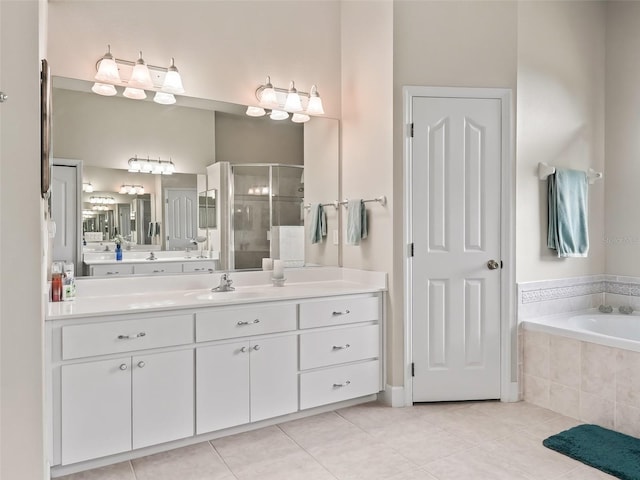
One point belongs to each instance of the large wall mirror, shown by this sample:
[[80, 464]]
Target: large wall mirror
[[239, 193]]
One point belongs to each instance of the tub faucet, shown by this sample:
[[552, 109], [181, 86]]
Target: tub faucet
[[225, 284], [625, 309], [605, 309]]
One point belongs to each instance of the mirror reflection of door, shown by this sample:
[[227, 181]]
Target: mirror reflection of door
[[181, 206], [124, 220]]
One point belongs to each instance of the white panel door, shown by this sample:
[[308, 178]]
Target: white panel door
[[181, 217], [222, 386], [96, 409], [162, 397], [456, 177], [274, 377], [64, 212]]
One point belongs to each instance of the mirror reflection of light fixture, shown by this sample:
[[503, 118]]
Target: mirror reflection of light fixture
[[132, 190], [157, 167], [278, 115], [112, 72], [102, 200], [87, 187], [303, 105]]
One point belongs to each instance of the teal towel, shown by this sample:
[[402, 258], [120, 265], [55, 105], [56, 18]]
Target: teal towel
[[568, 232], [318, 225], [356, 222]]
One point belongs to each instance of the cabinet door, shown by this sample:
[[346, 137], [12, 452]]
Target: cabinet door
[[222, 386], [162, 397], [274, 377], [96, 409]]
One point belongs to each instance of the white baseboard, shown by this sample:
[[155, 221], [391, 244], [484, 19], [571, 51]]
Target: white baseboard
[[393, 396]]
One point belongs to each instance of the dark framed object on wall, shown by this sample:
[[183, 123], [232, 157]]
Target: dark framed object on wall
[[45, 129]]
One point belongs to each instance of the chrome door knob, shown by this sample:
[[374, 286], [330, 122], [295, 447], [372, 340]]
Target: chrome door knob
[[492, 265], [123, 366], [256, 347], [141, 364]]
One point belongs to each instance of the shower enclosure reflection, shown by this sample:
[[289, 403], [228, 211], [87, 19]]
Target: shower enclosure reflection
[[267, 214]]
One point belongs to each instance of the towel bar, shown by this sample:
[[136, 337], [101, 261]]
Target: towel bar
[[544, 170], [381, 200], [307, 206]]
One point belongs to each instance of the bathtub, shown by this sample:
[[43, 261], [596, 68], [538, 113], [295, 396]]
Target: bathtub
[[610, 329]]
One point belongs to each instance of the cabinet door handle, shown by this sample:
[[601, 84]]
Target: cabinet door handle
[[158, 271], [340, 347], [340, 385], [123, 366], [131, 337], [243, 350], [256, 347], [335, 314], [141, 364], [247, 322]]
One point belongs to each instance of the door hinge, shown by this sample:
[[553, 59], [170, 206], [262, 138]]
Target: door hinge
[[501, 265], [411, 130], [413, 369], [411, 250], [167, 237]]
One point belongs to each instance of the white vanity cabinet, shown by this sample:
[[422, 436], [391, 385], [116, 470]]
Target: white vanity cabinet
[[112, 406], [244, 382]]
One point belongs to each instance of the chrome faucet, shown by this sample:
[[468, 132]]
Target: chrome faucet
[[625, 309], [151, 256], [225, 284]]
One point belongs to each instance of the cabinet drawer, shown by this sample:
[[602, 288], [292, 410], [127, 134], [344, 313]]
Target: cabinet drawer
[[338, 311], [158, 268], [319, 349], [203, 266], [123, 336], [339, 383], [111, 270], [242, 322]]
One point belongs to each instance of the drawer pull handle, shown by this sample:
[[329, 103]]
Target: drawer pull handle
[[243, 350], [123, 366], [141, 364], [256, 347], [131, 337], [113, 273], [346, 312], [340, 385], [158, 271], [340, 347], [247, 322]]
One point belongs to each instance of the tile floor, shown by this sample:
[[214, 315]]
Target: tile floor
[[462, 441]]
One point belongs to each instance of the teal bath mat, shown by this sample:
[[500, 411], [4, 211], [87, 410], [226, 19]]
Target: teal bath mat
[[612, 452]]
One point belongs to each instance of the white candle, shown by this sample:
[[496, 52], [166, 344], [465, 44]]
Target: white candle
[[278, 269], [267, 264]]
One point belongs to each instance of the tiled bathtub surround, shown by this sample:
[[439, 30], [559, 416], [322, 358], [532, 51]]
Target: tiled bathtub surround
[[548, 297], [590, 382]]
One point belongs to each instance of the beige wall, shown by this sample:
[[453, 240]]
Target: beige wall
[[367, 144], [560, 110], [444, 43], [622, 229], [21, 213], [223, 49]]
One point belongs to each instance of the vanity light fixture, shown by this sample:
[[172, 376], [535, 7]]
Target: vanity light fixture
[[102, 200], [157, 167], [87, 187], [279, 102], [137, 77], [132, 190]]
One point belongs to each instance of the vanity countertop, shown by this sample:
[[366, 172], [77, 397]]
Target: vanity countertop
[[113, 261], [165, 293], [128, 256]]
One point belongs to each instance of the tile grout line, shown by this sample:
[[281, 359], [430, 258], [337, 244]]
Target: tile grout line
[[215, 450], [308, 452]]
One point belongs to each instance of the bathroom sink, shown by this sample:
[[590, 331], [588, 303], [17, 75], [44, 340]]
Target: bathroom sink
[[209, 295]]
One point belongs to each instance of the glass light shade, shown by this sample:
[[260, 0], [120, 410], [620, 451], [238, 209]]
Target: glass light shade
[[172, 81], [315, 106], [300, 118], [134, 165], [278, 115], [124, 189], [134, 93], [140, 76], [146, 166], [168, 168], [104, 89], [255, 111], [140, 190], [164, 98], [87, 187], [158, 169], [293, 103], [265, 191], [107, 69], [250, 191]]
